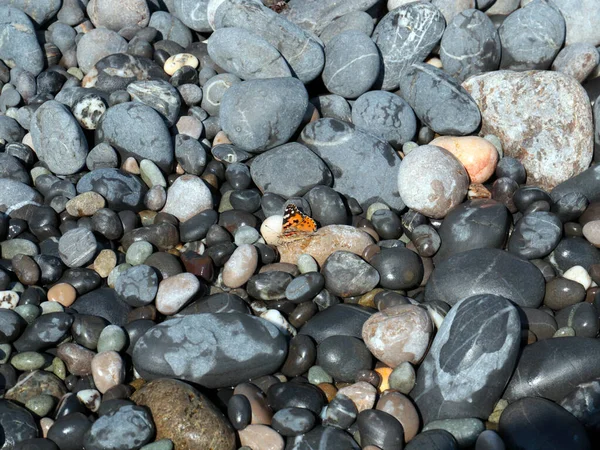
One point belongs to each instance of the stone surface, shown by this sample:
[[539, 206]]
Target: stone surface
[[97, 44], [579, 16], [17, 423], [363, 166], [454, 383], [552, 147], [121, 190], [127, 427], [406, 35], [58, 138], [200, 424], [186, 197], [158, 95], [203, 348], [346, 274], [486, 271], [535, 235], [115, 15], [19, 46], [478, 155]]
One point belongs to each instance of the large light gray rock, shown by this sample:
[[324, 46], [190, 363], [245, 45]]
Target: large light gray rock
[[406, 35], [301, 50], [118, 14], [212, 349], [260, 114], [581, 18], [13, 193], [39, 11], [552, 147], [363, 166], [246, 54], [192, 13], [19, 46], [58, 139], [97, 44], [171, 28]]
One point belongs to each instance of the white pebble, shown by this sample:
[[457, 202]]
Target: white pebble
[[579, 274], [275, 317]]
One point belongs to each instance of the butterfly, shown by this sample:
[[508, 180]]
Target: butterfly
[[295, 222]]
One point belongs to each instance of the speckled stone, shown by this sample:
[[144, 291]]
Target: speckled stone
[[108, 370], [187, 196], [175, 291]]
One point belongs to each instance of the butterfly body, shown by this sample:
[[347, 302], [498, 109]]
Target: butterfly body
[[296, 223]]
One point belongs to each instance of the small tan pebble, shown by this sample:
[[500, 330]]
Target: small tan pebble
[[478, 155], [190, 126], [45, 425], [402, 408], [435, 62], [130, 165], [179, 170], [77, 358], [62, 293], [385, 373], [176, 62], [174, 292], [108, 370], [221, 138], [211, 179], [261, 437], [28, 140], [591, 231], [361, 393], [105, 262], [85, 205]]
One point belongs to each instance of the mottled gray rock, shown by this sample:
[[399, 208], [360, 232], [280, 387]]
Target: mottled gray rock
[[246, 54], [62, 35], [115, 72], [118, 14], [500, 8], [10, 130], [363, 166], [581, 17], [555, 358], [58, 139], [348, 275], [138, 285], [451, 8], [352, 64], [13, 168], [577, 60], [333, 106], [14, 193], [192, 13], [531, 37], [16, 423], [355, 20], [315, 15], [129, 427], [97, 44], [213, 349], [301, 50], [486, 271], [470, 360], [44, 332], [470, 45], [137, 130], [552, 147], [290, 170], [385, 115], [19, 46], [535, 235], [159, 95], [39, 11], [260, 114], [121, 190], [439, 101], [432, 181], [170, 28], [407, 35], [77, 247]]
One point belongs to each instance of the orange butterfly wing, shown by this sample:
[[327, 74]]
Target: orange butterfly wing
[[295, 222]]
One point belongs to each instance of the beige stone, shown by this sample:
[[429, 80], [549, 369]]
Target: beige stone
[[62, 293], [400, 406], [363, 394], [261, 437], [176, 62], [240, 266], [86, 204], [105, 262], [108, 370]]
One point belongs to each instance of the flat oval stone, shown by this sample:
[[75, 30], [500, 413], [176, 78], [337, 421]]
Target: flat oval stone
[[45, 331], [343, 357], [13, 193], [105, 303], [406, 35], [127, 427], [470, 362], [543, 418], [517, 122], [114, 16], [535, 235], [213, 350], [58, 139], [379, 429], [363, 166], [438, 439], [240, 266], [337, 320], [347, 274], [246, 54], [544, 370], [254, 116], [486, 271], [174, 292], [398, 334], [97, 44], [11, 325], [438, 100], [20, 46], [353, 20], [575, 251], [121, 190], [77, 247]]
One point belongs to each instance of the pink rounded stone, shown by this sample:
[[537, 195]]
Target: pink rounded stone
[[400, 406], [363, 394], [261, 411], [240, 266], [174, 292], [478, 155], [261, 437], [108, 370], [398, 334]]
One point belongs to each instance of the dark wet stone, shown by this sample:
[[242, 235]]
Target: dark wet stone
[[190, 154], [511, 168], [13, 168], [337, 320], [296, 395], [170, 28], [555, 359], [36, 444], [575, 251], [301, 356], [438, 393], [433, 439], [105, 303], [11, 326], [418, 27], [336, 440], [86, 330], [326, 206], [524, 421], [380, 429], [216, 303], [343, 357], [535, 235], [128, 427], [163, 235], [582, 317], [32, 384], [438, 100], [269, 285], [304, 287], [137, 130], [45, 332], [138, 285], [570, 206], [584, 403], [121, 190], [245, 200], [164, 351], [539, 322], [68, 432], [399, 268], [82, 279], [347, 274], [16, 423], [562, 292], [474, 224], [293, 421], [486, 271], [364, 167]]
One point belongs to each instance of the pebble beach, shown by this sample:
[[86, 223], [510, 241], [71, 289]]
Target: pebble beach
[[299, 224]]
